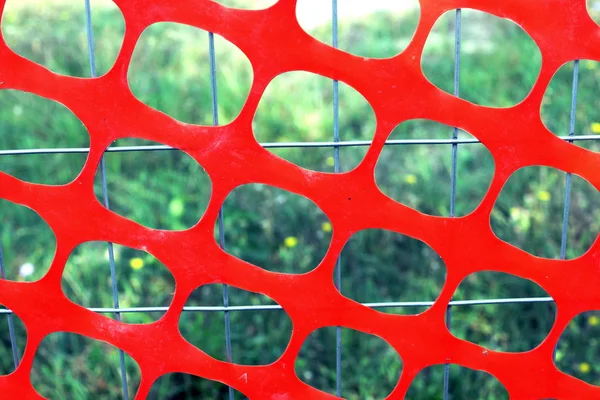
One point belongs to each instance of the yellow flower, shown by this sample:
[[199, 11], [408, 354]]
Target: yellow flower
[[330, 161], [136, 263], [590, 65], [584, 367], [544, 195], [410, 179], [515, 213], [291, 241], [595, 127], [594, 320], [326, 227]]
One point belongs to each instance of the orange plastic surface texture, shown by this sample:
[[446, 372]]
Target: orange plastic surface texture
[[398, 91]]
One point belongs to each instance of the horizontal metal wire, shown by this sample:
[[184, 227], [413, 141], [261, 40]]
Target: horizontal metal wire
[[399, 304], [272, 145]]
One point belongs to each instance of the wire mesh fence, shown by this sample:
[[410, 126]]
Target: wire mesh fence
[[453, 143]]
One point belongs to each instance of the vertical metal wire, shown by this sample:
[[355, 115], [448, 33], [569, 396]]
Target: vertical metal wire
[[453, 177], [11, 323], [111, 255], [336, 166], [446, 395], [563, 239], [221, 228], [454, 173], [565, 225]]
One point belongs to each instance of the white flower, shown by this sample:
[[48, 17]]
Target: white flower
[[26, 269]]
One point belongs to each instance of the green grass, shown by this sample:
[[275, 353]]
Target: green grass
[[168, 190]]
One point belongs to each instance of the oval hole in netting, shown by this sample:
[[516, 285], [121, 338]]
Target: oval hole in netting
[[30, 29], [376, 28], [298, 107], [258, 337], [275, 229], [173, 59], [558, 102], [160, 189], [518, 326], [529, 212], [28, 243], [380, 266], [374, 377], [86, 369], [420, 175], [33, 122], [499, 60], [142, 280]]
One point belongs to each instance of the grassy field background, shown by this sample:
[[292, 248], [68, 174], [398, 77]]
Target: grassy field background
[[284, 232]]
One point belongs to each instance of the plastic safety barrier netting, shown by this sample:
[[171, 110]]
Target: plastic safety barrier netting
[[397, 90]]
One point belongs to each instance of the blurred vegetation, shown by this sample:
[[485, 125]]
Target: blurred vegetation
[[283, 232]]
